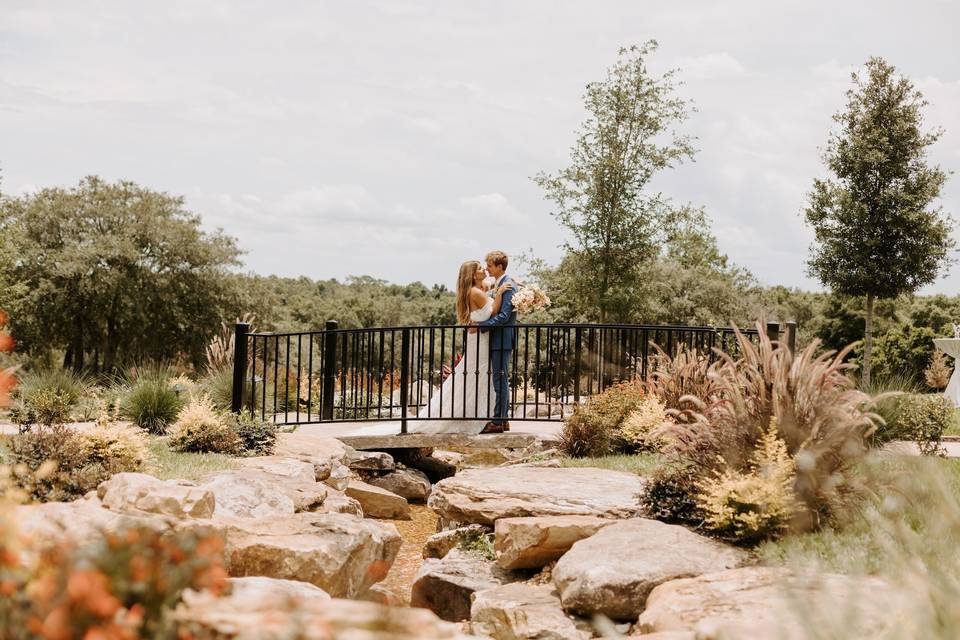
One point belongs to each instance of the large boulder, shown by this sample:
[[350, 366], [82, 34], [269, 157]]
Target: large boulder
[[139, 492], [522, 611], [769, 602], [247, 494], [613, 571], [377, 502], [483, 496], [341, 554], [411, 484], [445, 585], [439, 544], [286, 467], [80, 522], [266, 609], [323, 452], [339, 477], [534, 542]]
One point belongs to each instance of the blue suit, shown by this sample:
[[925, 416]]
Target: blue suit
[[503, 340]]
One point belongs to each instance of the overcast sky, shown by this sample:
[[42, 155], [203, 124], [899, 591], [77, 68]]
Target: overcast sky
[[397, 139]]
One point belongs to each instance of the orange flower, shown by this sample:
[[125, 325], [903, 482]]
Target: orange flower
[[7, 383], [56, 626], [3, 318], [6, 342], [93, 589]]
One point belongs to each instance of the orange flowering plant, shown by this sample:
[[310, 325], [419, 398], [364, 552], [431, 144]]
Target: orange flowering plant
[[121, 588], [7, 380]]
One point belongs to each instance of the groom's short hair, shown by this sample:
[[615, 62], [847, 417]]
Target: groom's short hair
[[498, 258]]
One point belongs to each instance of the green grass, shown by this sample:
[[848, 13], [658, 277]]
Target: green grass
[[853, 544], [642, 463], [954, 428], [167, 464]]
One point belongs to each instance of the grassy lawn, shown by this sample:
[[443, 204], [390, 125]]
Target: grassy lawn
[[643, 463], [909, 518], [166, 464]]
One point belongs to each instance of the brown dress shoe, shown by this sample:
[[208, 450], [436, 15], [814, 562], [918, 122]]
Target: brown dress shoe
[[506, 426], [491, 428]]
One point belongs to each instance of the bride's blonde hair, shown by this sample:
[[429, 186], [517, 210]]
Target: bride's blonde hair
[[464, 284]]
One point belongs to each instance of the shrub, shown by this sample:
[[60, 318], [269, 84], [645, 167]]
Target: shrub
[[257, 437], [937, 375], [199, 428], [756, 505], [638, 427], [55, 463], [69, 386], [921, 418], [114, 447], [49, 406], [125, 587], [820, 416], [151, 404], [670, 495], [593, 428]]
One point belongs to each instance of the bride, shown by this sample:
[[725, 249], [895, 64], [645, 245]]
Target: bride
[[464, 400]]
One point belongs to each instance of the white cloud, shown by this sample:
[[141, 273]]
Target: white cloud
[[711, 65]]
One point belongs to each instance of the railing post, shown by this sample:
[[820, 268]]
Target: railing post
[[578, 347], [791, 336], [329, 369], [240, 331], [773, 331], [404, 377]]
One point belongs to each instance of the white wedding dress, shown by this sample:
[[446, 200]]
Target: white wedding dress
[[466, 393]]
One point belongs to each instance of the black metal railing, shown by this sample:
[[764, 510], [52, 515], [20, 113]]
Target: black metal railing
[[411, 373]]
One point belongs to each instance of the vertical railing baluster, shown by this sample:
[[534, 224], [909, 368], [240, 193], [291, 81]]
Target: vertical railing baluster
[[404, 377], [253, 377]]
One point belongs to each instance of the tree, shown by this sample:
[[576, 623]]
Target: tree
[[877, 235], [113, 274], [601, 197]]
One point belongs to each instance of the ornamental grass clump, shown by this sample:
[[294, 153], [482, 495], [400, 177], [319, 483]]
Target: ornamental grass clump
[[115, 447], [152, 404], [200, 428], [821, 417], [748, 507]]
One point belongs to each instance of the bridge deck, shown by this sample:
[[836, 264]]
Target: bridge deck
[[385, 435]]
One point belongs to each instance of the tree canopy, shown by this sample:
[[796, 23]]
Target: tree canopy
[[113, 274], [878, 234]]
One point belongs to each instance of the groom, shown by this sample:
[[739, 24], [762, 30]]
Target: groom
[[503, 340]]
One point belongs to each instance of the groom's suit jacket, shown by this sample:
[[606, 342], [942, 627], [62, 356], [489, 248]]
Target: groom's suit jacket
[[503, 326]]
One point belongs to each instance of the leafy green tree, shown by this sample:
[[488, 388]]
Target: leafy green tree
[[114, 274], [877, 235], [603, 197]]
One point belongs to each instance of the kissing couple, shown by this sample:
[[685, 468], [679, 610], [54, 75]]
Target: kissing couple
[[464, 400]]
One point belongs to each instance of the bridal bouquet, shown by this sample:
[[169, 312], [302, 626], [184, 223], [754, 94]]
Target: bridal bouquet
[[530, 298]]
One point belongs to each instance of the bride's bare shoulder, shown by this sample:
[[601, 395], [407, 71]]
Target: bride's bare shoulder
[[477, 297]]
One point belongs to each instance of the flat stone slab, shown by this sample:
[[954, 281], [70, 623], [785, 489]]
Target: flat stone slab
[[772, 602], [613, 571], [532, 543], [441, 441], [483, 496], [523, 611]]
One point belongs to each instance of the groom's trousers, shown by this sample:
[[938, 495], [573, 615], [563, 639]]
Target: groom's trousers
[[500, 362]]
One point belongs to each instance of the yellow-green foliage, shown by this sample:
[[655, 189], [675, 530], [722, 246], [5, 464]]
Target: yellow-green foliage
[[758, 504], [593, 429], [114, 446], [923, 418], [200, 428], [637, 426]]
